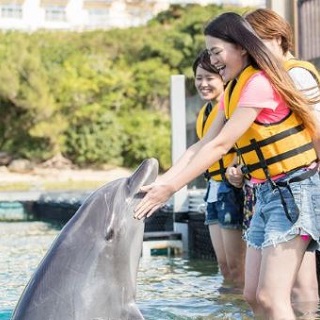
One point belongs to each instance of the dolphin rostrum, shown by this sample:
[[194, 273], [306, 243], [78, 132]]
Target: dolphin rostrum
[[90, 271]]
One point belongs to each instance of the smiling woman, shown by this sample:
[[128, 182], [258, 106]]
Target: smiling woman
[[263, 108], [276, 33], [220, 52], [224, 210]]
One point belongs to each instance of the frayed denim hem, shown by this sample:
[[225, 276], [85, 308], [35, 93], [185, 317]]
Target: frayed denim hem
[[287, 236], [251, 245], [224, 226], [210, 222], [274, 241]]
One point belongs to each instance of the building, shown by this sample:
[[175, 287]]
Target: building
[[79, 15]]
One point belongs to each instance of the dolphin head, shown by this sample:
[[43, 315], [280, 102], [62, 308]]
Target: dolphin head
[[145, 174], [123, 234], [123, 195]]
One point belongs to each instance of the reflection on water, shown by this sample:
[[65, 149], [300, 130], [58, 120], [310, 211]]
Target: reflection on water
[[185, 289], [167, 288], [22, 245]]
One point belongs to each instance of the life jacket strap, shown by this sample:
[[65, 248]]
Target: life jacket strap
[[272, 139], [221, 171], [277, 185], [267, 162]]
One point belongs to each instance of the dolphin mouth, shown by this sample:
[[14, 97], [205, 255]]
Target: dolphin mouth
[[145, 174]]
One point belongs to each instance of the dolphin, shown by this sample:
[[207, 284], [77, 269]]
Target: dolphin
[[90, 270]]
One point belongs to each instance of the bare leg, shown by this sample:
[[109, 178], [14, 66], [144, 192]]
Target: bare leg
[[252, 271], [235, 249], [218, 246], [278, 272], [305, 295]]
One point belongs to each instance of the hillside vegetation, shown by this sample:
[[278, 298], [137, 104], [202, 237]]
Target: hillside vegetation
[[99, 97]]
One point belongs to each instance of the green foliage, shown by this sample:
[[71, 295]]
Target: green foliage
[[94, 138], [100, 96], [150, 84], [148, 135]]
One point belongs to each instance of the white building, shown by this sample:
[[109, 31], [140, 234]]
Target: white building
[[31, 15]]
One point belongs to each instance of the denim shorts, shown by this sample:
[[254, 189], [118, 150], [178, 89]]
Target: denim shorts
[[270, 225], [227, 211]]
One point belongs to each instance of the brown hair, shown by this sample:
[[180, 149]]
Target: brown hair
[[269, 25], [203, 60], [233, 28]]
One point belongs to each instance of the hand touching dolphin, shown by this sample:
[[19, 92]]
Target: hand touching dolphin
[[157, 194]]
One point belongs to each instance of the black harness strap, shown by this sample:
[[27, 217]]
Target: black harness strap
[[206, 114], [269, 140], [221, 170], [267, 162], [263, 164], [277, 185], [274, 186], [305, 175]]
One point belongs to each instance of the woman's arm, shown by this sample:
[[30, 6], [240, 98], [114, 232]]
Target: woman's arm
[[193, 163]]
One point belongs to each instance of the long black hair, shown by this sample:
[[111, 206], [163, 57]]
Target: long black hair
[[233, 28]]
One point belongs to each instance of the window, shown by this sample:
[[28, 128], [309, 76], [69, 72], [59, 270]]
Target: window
[[55, 14], [11, 11], [98, 16]]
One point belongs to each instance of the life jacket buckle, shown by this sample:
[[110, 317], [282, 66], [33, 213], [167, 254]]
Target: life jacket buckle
[[274, 186], [245, 169]]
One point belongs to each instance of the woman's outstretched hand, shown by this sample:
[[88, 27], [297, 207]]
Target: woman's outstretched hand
[[156, 196]]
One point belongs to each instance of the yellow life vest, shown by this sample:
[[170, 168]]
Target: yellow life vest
[[268, 150], [204, 120], [205, 117], [294, 63]]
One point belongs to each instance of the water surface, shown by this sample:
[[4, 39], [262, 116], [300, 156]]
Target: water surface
[[167, 287]]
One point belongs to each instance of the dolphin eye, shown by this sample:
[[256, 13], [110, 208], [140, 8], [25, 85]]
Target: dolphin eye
[[110, 234]]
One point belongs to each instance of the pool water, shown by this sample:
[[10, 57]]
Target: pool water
[[174, 288]]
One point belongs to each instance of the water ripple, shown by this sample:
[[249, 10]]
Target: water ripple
[[167, 288]]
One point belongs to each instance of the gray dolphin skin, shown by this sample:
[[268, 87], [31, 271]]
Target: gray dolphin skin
[[90, 271]]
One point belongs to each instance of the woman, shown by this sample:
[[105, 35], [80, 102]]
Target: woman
[[273, 133], [224, 210], [276, 34]]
